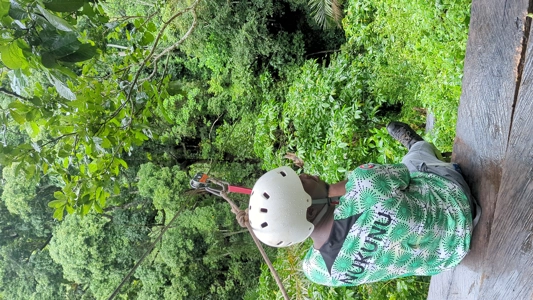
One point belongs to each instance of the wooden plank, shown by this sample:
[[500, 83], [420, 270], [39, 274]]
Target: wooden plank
[[493, 53], [508, 271]]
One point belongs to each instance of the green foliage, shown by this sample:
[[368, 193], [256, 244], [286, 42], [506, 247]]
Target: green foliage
[[17, 192], [81, 123], [327, 120], [164, 185], [36, 277], [204, 255], [415, 51], [96, 252]]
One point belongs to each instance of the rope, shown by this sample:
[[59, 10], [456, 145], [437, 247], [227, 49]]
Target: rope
[[242, 218]]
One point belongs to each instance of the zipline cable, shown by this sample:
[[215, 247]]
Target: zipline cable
[[242, 218], [202, 181]]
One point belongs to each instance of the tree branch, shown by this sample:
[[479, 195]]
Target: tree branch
[[145, 61], [46, 243], [178, 43], [13, 94]]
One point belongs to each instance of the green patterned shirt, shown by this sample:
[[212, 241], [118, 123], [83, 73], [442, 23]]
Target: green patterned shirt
[[390, 224]]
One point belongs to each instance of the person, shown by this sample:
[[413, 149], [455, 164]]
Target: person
[[383, 222]]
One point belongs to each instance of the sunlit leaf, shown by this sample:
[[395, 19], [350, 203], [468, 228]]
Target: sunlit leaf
[[63, 90], [93, 167], [97, 207], [4, 8], [12, 56], [70, 209], [85, 209], [60, 195], [18, 118], [57, 203], [58, 213]]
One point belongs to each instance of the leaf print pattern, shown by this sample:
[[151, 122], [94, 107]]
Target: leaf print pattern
[[410, 224]]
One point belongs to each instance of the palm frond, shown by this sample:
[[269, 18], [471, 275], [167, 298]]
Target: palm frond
[[327, 13]]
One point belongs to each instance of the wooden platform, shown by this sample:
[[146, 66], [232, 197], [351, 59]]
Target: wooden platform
[[494, 146]]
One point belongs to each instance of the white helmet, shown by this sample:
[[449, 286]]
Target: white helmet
[[278, 207]]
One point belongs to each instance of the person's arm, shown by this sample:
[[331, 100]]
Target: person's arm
[[337, 189]]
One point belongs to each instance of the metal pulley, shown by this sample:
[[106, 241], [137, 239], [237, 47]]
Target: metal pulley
[[202, 181]]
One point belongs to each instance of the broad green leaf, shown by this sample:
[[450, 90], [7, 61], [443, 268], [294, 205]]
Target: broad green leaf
[[32, 115], [122, 162], [70, 209], [152, 27], [66, 71], [116, 189], [32, 129], [147, 39], [16, 11], [103, 198], [58, 213], [19, 106], [85, 52], [64, 5], [62, 89], [21, 166], [86, 198], [81, 104], [98, 192], [59, 195], [57, 203], [4, 8], [59, 43], [89, 151], [49, 60], [86, 209], [45, 168], [18, 118], [12, 56], [97, 207], [106, 143], [141, 136], [93, 167], [88, 10], [55, 21]]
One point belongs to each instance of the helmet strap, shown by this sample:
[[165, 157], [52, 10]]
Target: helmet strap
[[329, 201], [320, 215]]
